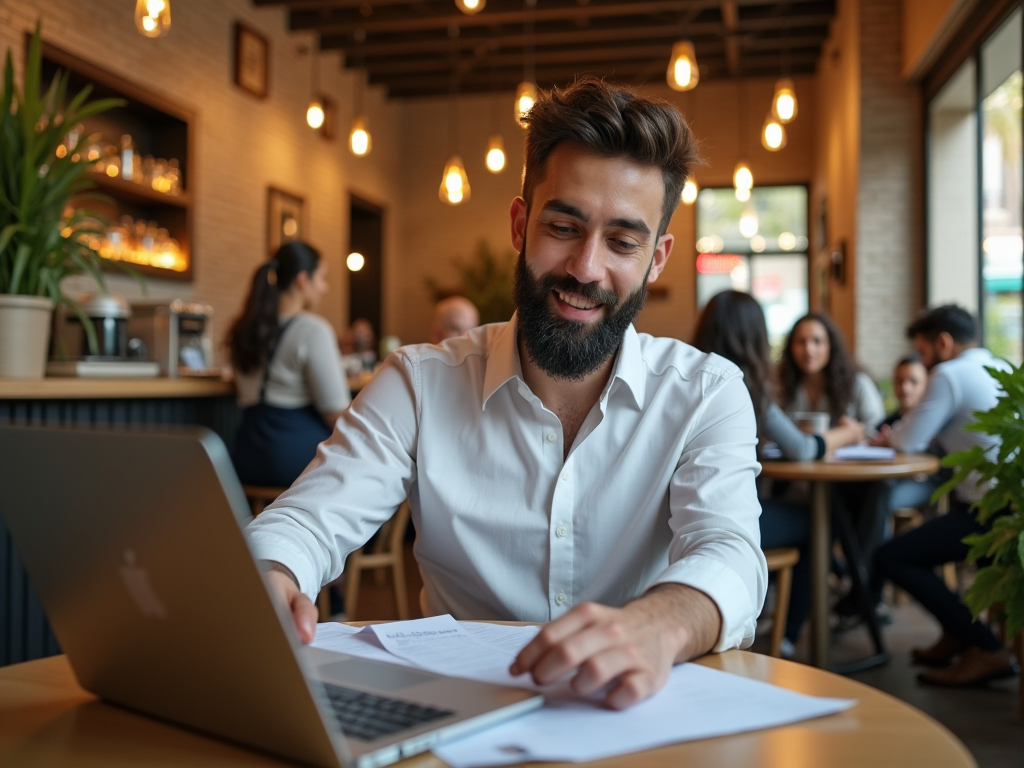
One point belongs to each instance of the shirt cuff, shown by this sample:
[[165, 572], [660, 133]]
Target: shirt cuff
[[268, 546], [821, 446], [728, 591]]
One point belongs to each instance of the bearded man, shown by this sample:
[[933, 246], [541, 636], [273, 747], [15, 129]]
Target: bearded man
[[561, 468]]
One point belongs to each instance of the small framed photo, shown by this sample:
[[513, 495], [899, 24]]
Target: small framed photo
[[285, 219], [252, 61]]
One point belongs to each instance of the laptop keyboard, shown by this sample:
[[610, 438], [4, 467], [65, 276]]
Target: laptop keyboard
[[367, 716]]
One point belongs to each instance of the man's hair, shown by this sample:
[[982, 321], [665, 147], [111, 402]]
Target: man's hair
[[911, 359], [613, 122], [949, 318]]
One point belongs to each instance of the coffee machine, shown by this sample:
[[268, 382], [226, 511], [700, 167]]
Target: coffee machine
[[177, 334], [112, 353]]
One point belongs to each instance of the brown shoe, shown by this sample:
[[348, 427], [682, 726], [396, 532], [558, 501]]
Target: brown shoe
[[975, 667], [939, 655]]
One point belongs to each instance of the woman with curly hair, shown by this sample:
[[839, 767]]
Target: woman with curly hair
[[817, 373]]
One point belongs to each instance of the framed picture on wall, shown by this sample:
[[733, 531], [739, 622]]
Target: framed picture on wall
[[285, 219], [252, 61]]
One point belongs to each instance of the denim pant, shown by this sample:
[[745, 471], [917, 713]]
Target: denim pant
[[909, 561], [787, 524]]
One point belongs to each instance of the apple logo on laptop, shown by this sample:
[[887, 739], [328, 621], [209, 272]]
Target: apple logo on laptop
[[136, 579]]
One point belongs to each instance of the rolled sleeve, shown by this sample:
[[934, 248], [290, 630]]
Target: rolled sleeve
[[714, 513]]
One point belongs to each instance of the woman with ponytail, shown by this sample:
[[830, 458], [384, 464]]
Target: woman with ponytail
[[287, 368]]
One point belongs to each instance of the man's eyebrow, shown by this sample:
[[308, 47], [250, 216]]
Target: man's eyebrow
[[637, 225], [560, 206]]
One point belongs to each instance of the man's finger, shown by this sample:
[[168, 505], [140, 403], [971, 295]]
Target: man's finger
[[305, 615], [632, 688], [602, 668], [570, 653], [552, 634]]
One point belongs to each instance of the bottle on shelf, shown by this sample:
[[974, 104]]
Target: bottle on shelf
[[127, 157]]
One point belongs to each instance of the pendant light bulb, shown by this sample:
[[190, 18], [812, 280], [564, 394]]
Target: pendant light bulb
[[748, 222], [742, 178], [315, 113], [470, 7], [359, 141], [690, 190], [526, 97], [454, 183], [153, 17], [773, 135], [495, 154], [742, 194], [784, 103], [682, 72]]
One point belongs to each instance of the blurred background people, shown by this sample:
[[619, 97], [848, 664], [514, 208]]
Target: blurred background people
[[453, 317], [732, 325], [288, 372], [909, 381], [817, 373]]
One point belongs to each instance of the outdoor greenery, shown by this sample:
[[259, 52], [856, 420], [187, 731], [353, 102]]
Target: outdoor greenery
[[485, 280], [43, 238], [1002, 581]]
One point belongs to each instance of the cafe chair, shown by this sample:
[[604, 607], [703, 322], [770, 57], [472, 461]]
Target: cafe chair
[[386, 551], [259, 497], [781, 560]]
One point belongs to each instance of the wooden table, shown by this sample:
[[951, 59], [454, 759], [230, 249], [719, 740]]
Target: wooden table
[[47, 721], [821, 474]]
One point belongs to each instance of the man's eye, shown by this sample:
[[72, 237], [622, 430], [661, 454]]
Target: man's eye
[[624, 245]]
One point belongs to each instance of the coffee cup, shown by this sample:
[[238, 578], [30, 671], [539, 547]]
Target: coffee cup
[[812, 422]]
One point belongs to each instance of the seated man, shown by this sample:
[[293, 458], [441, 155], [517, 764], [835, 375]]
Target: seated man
[[946, 340], [560, 467], [453, 317]]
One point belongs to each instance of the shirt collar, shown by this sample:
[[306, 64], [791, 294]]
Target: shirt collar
[[503, 364]]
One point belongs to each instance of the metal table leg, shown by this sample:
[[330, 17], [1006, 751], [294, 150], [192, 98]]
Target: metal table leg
[[821, 544]]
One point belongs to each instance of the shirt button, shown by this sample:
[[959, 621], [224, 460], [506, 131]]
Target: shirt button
[[565, 475], [560, 598], [552, 437], [561, 531]]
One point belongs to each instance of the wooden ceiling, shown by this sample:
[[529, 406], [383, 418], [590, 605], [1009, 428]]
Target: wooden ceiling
[[418, 48]]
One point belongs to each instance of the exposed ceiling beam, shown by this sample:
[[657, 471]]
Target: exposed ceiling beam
[[730, 20]]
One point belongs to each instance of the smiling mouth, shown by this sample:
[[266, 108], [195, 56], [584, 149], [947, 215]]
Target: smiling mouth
[[577, 302]]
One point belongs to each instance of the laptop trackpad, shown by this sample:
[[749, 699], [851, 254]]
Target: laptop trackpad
[[381, 677]]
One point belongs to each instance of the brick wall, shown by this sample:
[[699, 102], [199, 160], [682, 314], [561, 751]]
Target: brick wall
[[889, 192], [242, 144]]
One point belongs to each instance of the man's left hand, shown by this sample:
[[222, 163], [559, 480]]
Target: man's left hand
[[632, 648]]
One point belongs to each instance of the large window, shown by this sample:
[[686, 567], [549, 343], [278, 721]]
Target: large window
[[975, 206], [759, 247]]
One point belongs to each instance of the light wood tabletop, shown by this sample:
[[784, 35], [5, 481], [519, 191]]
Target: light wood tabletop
[[48, 721], [820, 474]]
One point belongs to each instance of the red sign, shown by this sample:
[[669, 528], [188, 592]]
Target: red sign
[[717, 263]]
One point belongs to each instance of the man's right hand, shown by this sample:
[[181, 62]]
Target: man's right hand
[[284, 588]]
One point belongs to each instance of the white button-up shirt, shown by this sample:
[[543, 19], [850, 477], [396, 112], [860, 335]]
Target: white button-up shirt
[[658, 486]]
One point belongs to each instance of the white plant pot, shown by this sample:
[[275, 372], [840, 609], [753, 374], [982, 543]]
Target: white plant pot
[[24, 336]]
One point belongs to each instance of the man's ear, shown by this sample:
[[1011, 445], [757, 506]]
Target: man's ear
[[517, 219], [661, 253]]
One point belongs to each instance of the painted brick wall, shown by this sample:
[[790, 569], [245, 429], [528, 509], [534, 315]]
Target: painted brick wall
[[242, 144], [889, 194]]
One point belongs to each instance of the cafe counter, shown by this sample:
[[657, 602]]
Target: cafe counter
[[84, 403]]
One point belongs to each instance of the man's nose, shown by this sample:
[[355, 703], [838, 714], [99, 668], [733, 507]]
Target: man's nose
[[586, 263]]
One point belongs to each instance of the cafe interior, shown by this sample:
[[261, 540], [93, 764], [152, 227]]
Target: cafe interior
[[862, 159]]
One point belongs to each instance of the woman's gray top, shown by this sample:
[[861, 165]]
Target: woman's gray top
[[794, 444]]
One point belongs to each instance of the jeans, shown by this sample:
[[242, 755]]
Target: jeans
[[909, 561], [787, 524]]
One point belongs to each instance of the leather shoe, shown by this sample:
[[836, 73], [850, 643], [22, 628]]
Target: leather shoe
[[975, 667], [939, 655]]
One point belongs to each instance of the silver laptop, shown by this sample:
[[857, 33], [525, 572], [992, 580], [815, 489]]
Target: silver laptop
[[133, 542]]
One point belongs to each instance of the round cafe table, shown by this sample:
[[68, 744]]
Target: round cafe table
[[48, 721], [821, 474]]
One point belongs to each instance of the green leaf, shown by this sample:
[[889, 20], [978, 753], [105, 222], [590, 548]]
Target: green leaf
[[1020, 549], [991, 585]]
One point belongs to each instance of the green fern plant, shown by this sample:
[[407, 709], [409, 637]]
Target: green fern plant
[[1002, 581], [485, 280], [44, 239]]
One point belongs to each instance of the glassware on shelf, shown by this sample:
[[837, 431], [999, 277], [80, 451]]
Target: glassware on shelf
[[142, 242], [173, 176], [127, 157]]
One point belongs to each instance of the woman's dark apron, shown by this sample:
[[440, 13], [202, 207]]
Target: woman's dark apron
[[275, 444]]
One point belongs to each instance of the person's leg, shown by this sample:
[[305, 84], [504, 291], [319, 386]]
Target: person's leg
[[787, 524], [910, 560]]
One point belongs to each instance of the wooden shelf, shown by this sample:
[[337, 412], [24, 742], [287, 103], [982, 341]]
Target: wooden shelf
[[60, 388], [139, 194]]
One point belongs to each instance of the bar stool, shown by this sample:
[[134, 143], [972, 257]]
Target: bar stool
[[782, 560], [386, 552], [259, 497]]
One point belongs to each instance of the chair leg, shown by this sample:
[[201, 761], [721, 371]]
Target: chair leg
[[352, 593], [323, 603], [783, 586], [398, 574]]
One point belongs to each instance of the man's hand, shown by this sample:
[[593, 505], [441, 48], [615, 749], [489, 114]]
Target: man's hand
[[882, 438], [285, 588], [633, 647]]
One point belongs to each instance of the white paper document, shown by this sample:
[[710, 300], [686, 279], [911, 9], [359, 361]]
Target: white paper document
[[864, 453], [696, 703]]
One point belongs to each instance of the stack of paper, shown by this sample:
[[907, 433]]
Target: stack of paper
[[864, 453], [696, 703]]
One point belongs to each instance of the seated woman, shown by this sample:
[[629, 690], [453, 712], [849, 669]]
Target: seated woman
[[732, 325], [287, 369]]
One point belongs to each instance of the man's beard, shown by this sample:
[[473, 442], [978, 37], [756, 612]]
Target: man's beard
[[567, 349]]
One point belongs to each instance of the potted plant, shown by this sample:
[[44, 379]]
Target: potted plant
[[999, 585], [43, 237]]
